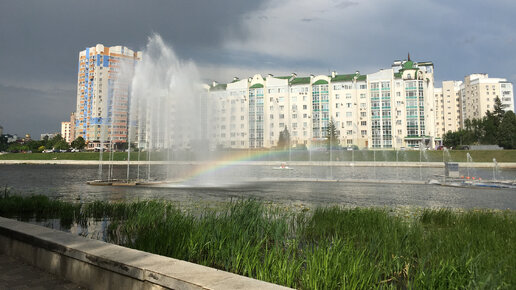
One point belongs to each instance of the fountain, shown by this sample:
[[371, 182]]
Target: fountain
[[166, 99], [495, 169], [469, 160]]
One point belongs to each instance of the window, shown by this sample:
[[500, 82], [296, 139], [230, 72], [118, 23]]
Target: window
[[363, 132], [363, 123], [363, 114], [349, 114], [349, 123], [305, 107]]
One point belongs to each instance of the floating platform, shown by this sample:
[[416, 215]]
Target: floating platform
[[472, 183], [130, 182]]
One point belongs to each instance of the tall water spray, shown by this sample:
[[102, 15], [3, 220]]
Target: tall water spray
[[165, 101]]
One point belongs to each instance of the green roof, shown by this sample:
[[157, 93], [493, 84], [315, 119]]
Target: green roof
[[348, 78], [300, 81], [343, 78], [235, 80], [320, 82], [408, 64], [362, 78], [218, 87], [284, 77], [397, 75], [256, 86]]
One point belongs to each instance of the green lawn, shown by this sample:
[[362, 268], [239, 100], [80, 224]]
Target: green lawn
[[322, 248]]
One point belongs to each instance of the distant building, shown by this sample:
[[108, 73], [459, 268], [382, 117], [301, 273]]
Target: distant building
[[102, 94], [49, 135], [66, 131], [478, 93], [72, 127], [448, 107], [11, 138]]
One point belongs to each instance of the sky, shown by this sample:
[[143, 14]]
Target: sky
[[40, 42]]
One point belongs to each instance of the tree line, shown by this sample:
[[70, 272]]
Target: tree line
[[495, 128], [56, 143]]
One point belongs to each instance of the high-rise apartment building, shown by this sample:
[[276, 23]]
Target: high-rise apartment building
[[478, 94], [448, 108], [66, 131], [102, 94]]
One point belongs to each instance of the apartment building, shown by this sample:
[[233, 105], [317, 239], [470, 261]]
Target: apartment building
[[391, 108], [66, 131], [102, 94], [448, 108], [478, 93]]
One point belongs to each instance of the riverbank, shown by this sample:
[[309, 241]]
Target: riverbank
[[480, 156], [502, 165], [308, 248]]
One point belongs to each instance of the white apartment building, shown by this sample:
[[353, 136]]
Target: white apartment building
[[478, 93], [391, 108]]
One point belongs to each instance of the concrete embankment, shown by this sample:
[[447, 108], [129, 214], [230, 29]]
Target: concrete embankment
[[98, 265], [269, 163]]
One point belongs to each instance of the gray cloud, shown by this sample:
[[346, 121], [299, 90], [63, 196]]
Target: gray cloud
[[35, 111], [40, 41]]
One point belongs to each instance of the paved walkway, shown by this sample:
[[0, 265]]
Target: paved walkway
[[16, 274]]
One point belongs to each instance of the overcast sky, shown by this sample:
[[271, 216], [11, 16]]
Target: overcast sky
[[40, 42]]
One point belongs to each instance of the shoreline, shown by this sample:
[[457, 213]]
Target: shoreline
[[504, 165]]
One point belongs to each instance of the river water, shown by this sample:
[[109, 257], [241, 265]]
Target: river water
[[68, 182]]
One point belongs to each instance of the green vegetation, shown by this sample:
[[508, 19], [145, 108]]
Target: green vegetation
[[497, 127], [295, 155], [325, 248], [332, 139]]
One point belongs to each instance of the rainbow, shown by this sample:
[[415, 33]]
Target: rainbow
[[231, 159]]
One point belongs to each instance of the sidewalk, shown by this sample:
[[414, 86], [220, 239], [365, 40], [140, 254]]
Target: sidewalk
[[16, 274]]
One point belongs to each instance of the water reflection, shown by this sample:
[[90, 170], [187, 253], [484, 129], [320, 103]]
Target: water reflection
[[68, 182]]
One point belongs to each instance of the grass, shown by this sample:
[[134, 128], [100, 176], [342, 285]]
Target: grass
[[295, 155], [322, 248]]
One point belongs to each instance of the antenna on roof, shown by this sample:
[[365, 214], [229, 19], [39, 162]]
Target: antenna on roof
[[408, 57]]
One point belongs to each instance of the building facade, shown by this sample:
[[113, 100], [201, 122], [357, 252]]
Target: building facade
[[102, 94], [392, 108], [478, 93], [448, 108], [66, 131]]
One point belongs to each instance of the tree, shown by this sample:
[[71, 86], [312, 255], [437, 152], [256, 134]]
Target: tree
[[55, 140], [3, 143], [507, 131], [332, 138], [498, 111], [284, 139], [489, 128], [79, 143], [61, 145]]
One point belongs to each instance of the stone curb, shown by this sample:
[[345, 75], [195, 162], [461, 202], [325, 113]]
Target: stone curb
[[99, 265]]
